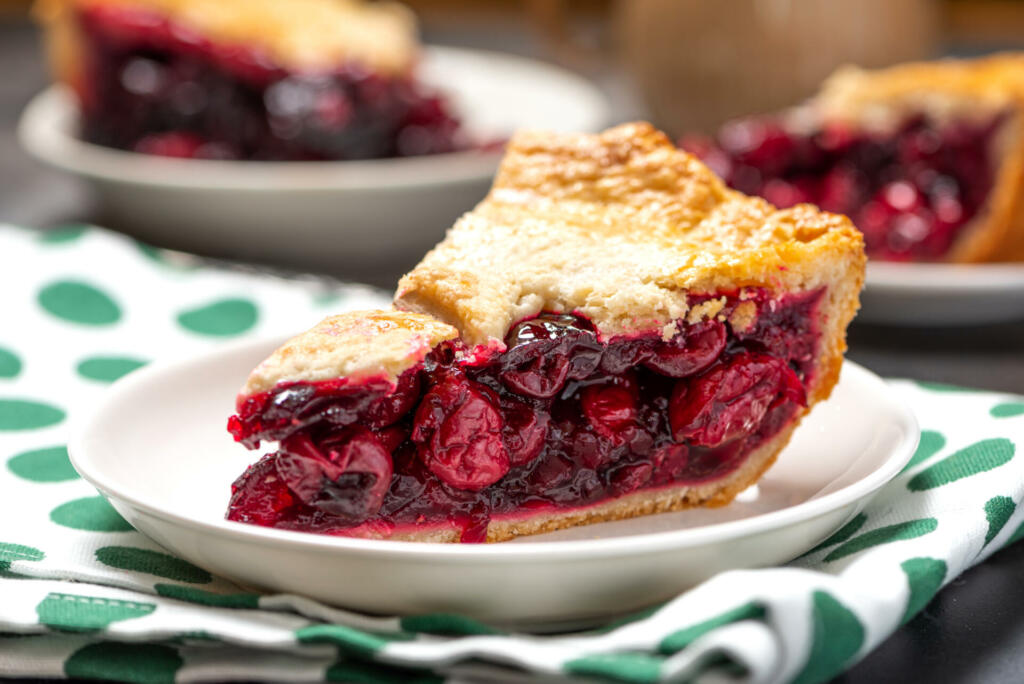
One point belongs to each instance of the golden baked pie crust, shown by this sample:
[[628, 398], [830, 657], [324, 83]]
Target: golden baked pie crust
[[620, 227]]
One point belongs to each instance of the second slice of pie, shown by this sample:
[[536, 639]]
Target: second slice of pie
[[611, 333]]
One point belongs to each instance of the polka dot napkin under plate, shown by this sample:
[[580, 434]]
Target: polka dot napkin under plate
[[84, 595]]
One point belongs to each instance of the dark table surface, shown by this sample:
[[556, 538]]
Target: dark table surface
[[974, 629]]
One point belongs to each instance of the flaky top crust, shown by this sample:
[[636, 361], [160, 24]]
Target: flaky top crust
[[301, 35], [944, 89], [619, 227], [357, 344]]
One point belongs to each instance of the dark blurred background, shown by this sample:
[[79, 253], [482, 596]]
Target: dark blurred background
[[685, 64]]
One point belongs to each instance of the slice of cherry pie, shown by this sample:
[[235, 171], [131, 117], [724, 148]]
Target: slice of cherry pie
[[248, 79], [926, 158], [611, 333]]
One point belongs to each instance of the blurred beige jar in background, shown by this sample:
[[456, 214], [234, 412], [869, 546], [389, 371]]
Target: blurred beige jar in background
[[700, 62]]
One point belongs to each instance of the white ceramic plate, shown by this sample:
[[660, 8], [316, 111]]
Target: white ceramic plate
[[942, 294], [158, 450], [322, 215]]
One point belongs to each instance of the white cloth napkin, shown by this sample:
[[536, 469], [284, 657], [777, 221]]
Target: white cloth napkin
[[84, 595]]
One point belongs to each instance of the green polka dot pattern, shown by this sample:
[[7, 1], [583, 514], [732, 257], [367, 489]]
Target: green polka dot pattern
[[19, 552], [108, 368], [979, 457], [137, 663], [27, 414], [348, 639], [626, 667], [998, 510], [924, 578], [845, 532], [75, 613], [207, 598], [92, 513], [78, 302], [684, 637], [838, 635], [62, 235], [152, 563], [10, 364], [224, 318], [43, 465], [445, 623], [884, 535], [1009, 409], [931, 443]]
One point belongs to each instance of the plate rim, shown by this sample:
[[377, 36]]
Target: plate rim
[[42, 131], [942, 278], [903, 417]]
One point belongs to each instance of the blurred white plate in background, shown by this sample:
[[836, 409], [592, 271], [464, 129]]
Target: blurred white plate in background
[[334, 216], [942, 294]]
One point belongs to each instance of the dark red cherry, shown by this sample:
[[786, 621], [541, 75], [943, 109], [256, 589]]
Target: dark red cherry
[[346, 476], [628, 477], [357, 494], [690, 351], [545, 351], [392, 437], [729, 400], [669, 461], [459, 431], [524, 431], [610, 409], [259, 495], [396, 404], [542, 376]]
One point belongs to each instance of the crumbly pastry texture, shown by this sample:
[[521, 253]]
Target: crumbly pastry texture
[[302, 35], [947, 90], [621, 227], [356, 344]]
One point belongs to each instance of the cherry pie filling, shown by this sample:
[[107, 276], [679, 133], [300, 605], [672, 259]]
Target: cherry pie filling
[[910, 192], [152, 85], [559, 420]]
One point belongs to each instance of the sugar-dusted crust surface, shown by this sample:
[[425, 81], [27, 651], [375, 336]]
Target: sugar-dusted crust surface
[[663, 500], [354, 344], [620, 227], [301, 35], [947, 91]]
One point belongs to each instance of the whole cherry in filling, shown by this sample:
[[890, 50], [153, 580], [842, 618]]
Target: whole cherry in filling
[[910, 190], [560, 419]]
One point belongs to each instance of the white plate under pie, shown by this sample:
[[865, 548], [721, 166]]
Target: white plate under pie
[[157, 448], [942, 294], [324, 215]]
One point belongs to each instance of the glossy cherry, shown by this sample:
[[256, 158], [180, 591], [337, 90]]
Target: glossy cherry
[[459, 432], [729, 400], [560, 419]]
